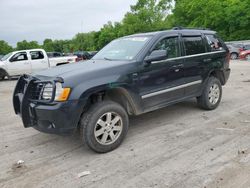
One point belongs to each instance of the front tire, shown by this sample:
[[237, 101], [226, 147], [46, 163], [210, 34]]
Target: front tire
[[104, 126], [211, 95]]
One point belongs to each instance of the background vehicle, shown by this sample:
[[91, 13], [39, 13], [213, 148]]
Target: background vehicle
[[54, 54], [234, 51], [92, 53], [130, 76], [82, 55], [246, 47], [245, 55], [28, 61]]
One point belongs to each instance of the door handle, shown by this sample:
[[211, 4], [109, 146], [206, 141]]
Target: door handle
[[26, 63], [135, 76], [178, 66], [207, 60], [176, 70]]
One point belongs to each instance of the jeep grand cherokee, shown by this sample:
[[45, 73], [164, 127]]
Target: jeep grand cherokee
[[130, 76]]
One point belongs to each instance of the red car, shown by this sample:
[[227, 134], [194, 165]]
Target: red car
[[245, 55]]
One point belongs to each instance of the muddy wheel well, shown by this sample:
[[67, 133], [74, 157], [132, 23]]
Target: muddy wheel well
[[218, 74], [118, 95]]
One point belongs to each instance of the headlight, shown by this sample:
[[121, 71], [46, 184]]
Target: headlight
[[61, 94], [48, 92]]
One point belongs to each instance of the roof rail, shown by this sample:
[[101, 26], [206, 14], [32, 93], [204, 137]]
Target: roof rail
[[191, 28]]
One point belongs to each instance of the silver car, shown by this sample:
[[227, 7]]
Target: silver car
[[234, 51]]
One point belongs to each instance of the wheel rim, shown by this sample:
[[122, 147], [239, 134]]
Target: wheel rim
[[214, 94], [248, 57], [108, 128], [233, 56]]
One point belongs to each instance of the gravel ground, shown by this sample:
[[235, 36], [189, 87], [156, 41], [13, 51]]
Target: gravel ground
[[178, 146]]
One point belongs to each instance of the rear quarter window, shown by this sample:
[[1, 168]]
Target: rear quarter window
[[194, 45], [215, 43]]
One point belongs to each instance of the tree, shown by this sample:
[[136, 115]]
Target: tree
[[24, 45], [229, 17], [5, 47], [147, 15], [48, 45]]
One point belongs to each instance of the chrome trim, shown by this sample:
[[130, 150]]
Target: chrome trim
[[187, 56], [171, 89]]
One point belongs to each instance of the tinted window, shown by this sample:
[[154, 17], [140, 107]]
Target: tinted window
[[21, 56], [194, 45], [214, 43], [171, 45], [246, 47], [36, 55]]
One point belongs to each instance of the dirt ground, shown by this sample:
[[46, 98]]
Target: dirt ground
[[178, 146]]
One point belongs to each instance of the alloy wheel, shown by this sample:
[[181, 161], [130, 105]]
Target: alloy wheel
[[214, 94], [108, 128]]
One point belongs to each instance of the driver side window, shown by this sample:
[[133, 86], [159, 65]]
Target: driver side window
[[21, 56], [171, 45]]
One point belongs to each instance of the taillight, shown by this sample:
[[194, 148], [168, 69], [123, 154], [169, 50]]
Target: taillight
[[241, 49]]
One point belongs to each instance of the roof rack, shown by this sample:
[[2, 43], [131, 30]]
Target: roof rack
[[191, 28]]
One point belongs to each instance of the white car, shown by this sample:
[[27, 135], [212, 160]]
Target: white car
[[28, 61]]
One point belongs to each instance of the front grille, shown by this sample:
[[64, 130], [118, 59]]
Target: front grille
[[38, 88], [36, 91]]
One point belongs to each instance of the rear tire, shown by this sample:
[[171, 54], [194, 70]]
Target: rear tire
[[234, 56], [211, 95], [248, 57], [104, 126]]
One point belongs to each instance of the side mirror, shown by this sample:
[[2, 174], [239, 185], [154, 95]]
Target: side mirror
[[156, 55]]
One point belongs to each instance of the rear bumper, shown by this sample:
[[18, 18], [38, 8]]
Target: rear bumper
[[53, 117], [226, 73]]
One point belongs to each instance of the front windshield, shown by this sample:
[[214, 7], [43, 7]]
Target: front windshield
[[6, 56], [122, 49]]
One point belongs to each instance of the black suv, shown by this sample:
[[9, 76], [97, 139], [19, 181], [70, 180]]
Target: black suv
[[130, 76]]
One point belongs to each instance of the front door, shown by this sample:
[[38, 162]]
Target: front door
[[162, 81], [19, 64]]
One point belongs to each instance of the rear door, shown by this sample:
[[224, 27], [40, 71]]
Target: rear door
[[161, 81], [38, 60], [196, 62], [19, 64]]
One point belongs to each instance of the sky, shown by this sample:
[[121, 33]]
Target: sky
[[56, 19]]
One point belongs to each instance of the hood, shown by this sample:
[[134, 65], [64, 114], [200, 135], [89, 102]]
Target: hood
[[90, 67]]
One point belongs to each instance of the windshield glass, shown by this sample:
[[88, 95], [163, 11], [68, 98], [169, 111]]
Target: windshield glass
[[6, 56], [122, 49]]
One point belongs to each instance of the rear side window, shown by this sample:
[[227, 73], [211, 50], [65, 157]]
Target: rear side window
[[194, 45], [214, 43], [36, 55]]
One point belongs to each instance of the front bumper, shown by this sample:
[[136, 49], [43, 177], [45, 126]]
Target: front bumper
[[53, 117]]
